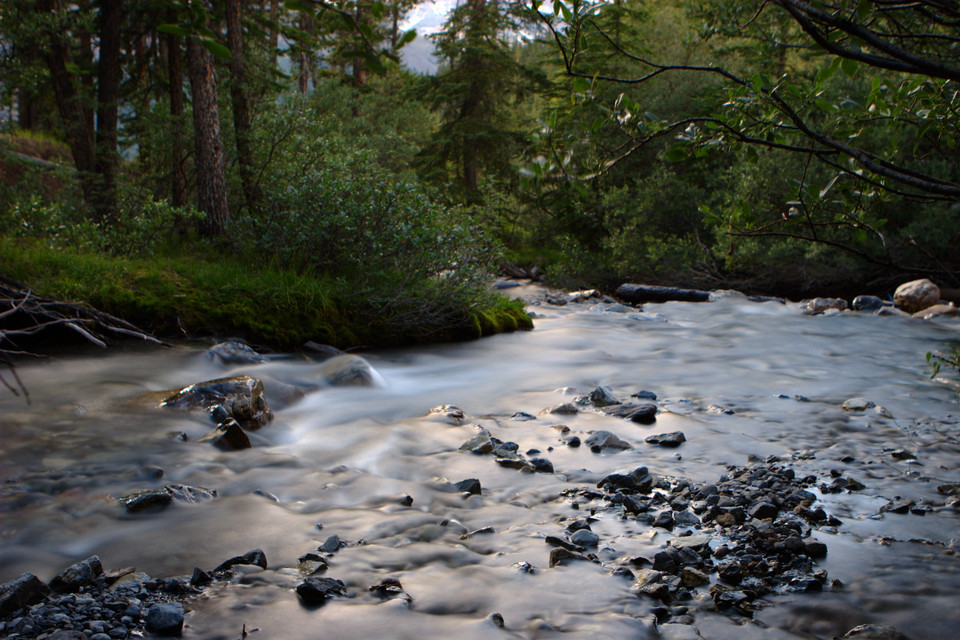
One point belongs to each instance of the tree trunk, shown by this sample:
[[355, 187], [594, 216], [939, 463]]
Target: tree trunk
[[241, 111], [274, 34], [108, 90], [306, 53], [359, 68], [175, 78], [211, 173]]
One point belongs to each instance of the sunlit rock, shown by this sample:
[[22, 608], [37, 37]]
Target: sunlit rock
[[643, 413], [936, 311], [149, 499], [447, 412], [817, 306], [599, 397], [857, 404], [916, 295], [228, 435], [240, 397], [869, 304], [606, 440]]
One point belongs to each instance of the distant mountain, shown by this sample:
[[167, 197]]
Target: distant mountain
[[427, 19]]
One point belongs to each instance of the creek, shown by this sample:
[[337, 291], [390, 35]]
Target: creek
[[743, 381]]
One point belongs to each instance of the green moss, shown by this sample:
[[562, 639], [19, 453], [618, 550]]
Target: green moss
[[220, 295]]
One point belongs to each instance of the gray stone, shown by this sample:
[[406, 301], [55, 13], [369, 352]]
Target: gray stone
[[234, 352], [936, 311], [255, 557], [25, 590], [671, 440], [241, 397], [453, 415], [857, 404], [470, 485], [817, 306], [602, 397], [330, 545], [868, 304], [563, 409], [874, 632], [479, 444], [606, 440], [561, 556], [77, 575], [229, 436], [585, 538], [165, 618], [348, 371]]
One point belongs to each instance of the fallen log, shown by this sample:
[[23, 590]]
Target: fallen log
[[640, 293]]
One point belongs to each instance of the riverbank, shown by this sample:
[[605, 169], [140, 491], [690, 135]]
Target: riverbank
[[185, 295]]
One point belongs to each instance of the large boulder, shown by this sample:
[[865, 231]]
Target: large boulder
[[234, 352], [239, 397], [24, 591], [916, 295], [77, 575]]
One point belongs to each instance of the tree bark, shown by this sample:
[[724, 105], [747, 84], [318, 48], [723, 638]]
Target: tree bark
[[274, 34], [208, 144], [241, 110], [178, 175], [108, 90], [306, 53]]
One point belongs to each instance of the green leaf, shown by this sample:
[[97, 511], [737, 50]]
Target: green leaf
[[374, 63], [175, 30], [581, 85], [849, 66], [407, 38], [299, 5], [215, 48], [566, 13], [376, 10], [863, 10], [677, 153]]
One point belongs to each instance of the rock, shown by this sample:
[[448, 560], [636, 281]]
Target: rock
[[582, 296], [479, 444], [330, 545], [857, 404], [146, 500], [200, 577], [512, 460], [645, 413], [165, 618], [817, 306], [522, 416], [469, 485], [764, 511], [505, 284], [241, 397], [23, 591], [874, 632], [229, 436], [601, 397], [255, 557], [903, 454], [916, 295], [606, 440], [561, 556], [868, 304], [643, 394], [323, 350], [585, 538], [541, 465], [77, 575], [448, 412], [190, 495], [693, 577], [674, 631], [349, 371], [671, 440], [563, 409], [234, 352], [948, 309], [637, 481]]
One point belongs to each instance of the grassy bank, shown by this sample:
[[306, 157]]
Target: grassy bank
[[221, 295]]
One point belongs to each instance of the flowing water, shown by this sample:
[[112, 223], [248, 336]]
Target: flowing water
[[344, 458]]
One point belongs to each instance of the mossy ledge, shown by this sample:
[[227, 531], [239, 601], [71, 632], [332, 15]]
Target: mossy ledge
[[223, 296]]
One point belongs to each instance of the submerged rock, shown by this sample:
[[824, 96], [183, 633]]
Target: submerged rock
[[874, 632], [857, 404], [644, 413], [239, 397], [448, 412], [349, 371], [606, 440], [228, 435], [147, 499], [670, 440]]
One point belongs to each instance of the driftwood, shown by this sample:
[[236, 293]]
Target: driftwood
[[24, 314]]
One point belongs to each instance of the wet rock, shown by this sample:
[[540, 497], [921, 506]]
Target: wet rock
[[693, 577], [573, 442], [585, 538], [325, 351], [512, 460], [916, 295], [165, 618], [868, 304], [664, 520], [25, 590], [522, 416], [561, 556], [645, 413], [469, 485], [330, 545], [671, 440], [234, 352], [640, 293], [817, 306], [255, 557], [903, 454], [644, 395], [241, 397], [556, 541], [479, 444], [857, 404], [763, 511], [937, 310], [874, 632], [316, 590], [200, 577], [599, 397], [229, 436], [637, 481], [148, 499], [77, 575], [674, 631], [542, 465], [496, 620], [606, 440], [482, 531], [563, 409], [448, 412], [348, 371], [389, 588]]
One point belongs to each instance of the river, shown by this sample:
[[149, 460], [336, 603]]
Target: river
[[742, 380]]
